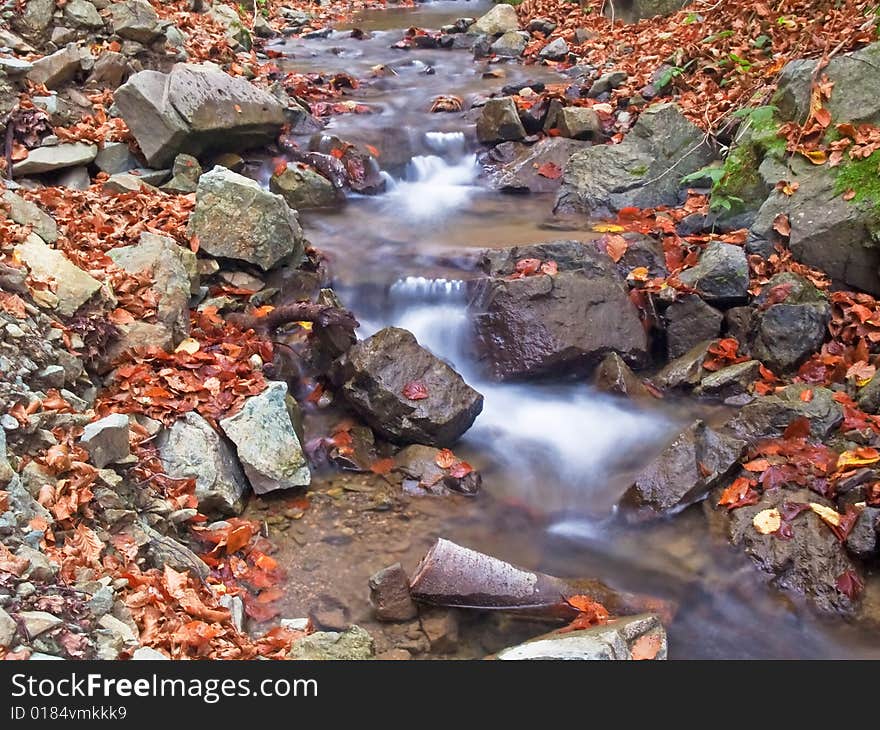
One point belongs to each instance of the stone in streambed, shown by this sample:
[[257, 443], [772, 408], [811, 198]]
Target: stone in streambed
[[690, 321], [422, 475], [499, 121], [721, 276], [191, 448], [267, 443], [404, 392], [730, 381], [350, 645], [500, 19], [235, 218], [556, 50], [302, 187], [521, 165], [576, 122], [768, 416], [106, 439], [511, 44], [613, 375], [389, 595]]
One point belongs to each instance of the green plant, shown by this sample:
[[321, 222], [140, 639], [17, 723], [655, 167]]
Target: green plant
[[862, 177]]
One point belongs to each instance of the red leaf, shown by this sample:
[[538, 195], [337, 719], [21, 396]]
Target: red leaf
[[445, 459], [850, 584], [416, 390], [799, 428], [550, 170]]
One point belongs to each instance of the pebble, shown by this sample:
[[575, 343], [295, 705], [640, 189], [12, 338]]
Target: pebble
[[38, 622]]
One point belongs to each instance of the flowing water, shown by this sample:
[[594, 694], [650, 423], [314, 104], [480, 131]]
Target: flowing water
[[555, 457]]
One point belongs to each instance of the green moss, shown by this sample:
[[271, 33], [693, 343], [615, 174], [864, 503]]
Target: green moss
[[639, 171], [862, 176]]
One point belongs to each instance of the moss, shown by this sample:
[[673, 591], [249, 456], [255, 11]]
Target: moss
[[862, 176], [639, 171]]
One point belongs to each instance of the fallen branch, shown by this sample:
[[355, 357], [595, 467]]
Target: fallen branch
[[321, 315]]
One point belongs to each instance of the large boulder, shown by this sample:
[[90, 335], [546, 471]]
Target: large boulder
[[192, 449], [644, 170], [768, 416], [135, 20], [683, 473], [525, 167], [554, 323], [235, 218], [268, 445], [196, 109], [406, 393], [500, 19]]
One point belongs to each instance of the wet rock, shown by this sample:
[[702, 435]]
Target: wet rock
[[862, 541], [168, 265], [268, 446], [630, 637], [361, 169], [191, 448], [683, 473], [565, 323], [768, 416], [613, 375], [352, 644], [511, 44], [441, 628], [106, 439], [786, 333], [8, 627], [722, 274], [196, 109], [738, 324], [406, 393], [235, 218], [83, 14], [389, 595], [135, 20], [38, 622], [809, 563], [26, 213], [605, 178], [302, 187], [606, 82], [523, 171], [499, 121], [577, 122], [418, 464], [869, 396], [690, 321], [500, 19], [185, 175], [556, 50], [730, 381], [74, 287], [58, 68], [49, 159]]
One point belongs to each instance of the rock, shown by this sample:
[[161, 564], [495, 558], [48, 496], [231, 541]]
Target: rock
[[74, 287], [235, 218], [135, 20], [869, 396], [630, 637], [169, 265], [124, 182], [118, 628], [511, 44], [82, 14], [644, 170], [809, 563], [262, 29], [422, 475], [110, 70], [235, 605], [606, 82], [786, 333], [115, 157], [8, 627], [613, 375], [499, 121], [862, 541], [690, 321], [191, 448], [76, 178], [7, 473], [136, 336], [185, 175], [163, 550], [268, 446], [545, 26], [577, 122], [36, 18], [39, 568], [145, 653], [38, 622], [106, 439], [197, 110], [236, 31], [14, 67], [57, 68], [389, 595], [406, 393], [26, 213], [730, 381], [302, 187], [500, 19], [352, 644], [440, 626], [722, 274], [683, 473], [48, 159], [768, 416], [523, 172], [556, 50], [544, 325]]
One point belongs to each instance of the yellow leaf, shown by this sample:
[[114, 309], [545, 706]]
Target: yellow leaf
[[640, 273], [832, 517], [817, 157], [767, 521], [852, 458], [608, 228], [189, 346]]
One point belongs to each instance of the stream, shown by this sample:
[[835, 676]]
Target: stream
[[556, 457]]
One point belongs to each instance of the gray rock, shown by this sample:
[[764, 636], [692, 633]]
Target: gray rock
[[7, 473], [613, 375], [644, 170], [511, 44], [768, 416], [14, 67], [74, 287], [191, 448], [639, 9], [630, 637], [145, 653], [499, 121], [684, 473], [544, 325], [48, 159], [352, 644], [136, 335], [36, 18], [521, 173], [163, 550], [389, 595], [577, 122], [57, 68], [556, 50], [38, 622], [862, 540], [377, 375], [106, 439], [119, 629], [76, 178], [110, 70], [869, 396], [235, 218], [606, 82], [39, 568], [722, 274], [236, 610], [542, 25], [690, 321], [83, 14], [185, 174], [125, 182], [115, 157], [8, 627], [302, 187], [236, 31], [135, 20], [730, 381], [500, 19], [422, 475], [268, 446], [30, 214], [197, 110]]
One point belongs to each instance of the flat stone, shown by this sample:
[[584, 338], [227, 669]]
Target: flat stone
[[106, 439], [38, 622], [58, 68], [26, 213], [352, 644], [48, 159], [8, 627]]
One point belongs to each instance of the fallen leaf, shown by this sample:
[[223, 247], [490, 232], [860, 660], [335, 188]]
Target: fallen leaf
[[445, 459], [767, 521], [416, 390], [616, 246], [550, 170]]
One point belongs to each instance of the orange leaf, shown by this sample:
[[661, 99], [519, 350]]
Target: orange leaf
[[550, 170], [445, 459], [415, 390], [615, 246], [238, 538]]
